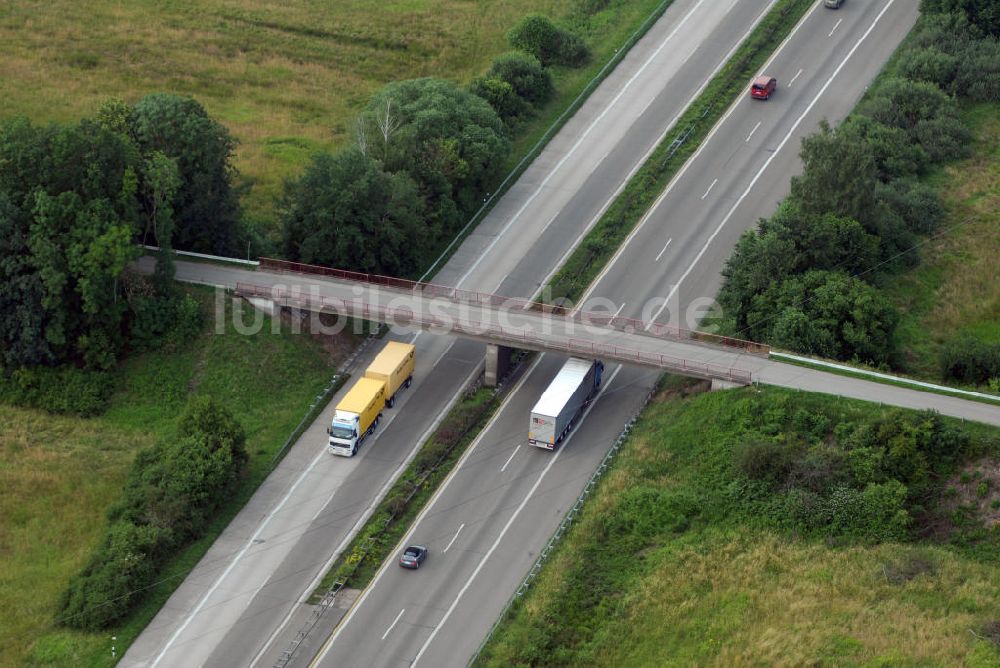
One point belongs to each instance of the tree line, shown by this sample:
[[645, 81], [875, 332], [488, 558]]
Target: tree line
[[425, 155], [807, 278]]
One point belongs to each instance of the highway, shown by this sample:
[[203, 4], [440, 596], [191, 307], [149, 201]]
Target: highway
[[239, 606], [500, 505]]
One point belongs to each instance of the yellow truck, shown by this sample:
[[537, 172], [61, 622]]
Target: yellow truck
[[394, 367], [358, 413], [356, 416]]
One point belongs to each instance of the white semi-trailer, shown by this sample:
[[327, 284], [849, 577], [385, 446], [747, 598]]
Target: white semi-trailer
[[565, 398]]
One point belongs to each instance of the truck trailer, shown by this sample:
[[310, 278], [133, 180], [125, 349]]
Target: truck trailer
[[565, 398], [394, 367], [356, 416]]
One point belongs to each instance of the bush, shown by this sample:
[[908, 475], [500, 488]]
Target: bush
[[63, 389], [917, 204], [765, 461], [115, 579], [875, 514], [529, 80], [501, 96], [171, 494], [538, 35], [967, 359], [929, 65]]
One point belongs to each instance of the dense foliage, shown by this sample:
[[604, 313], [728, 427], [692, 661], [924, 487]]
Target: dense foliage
[[538, 35], [427, 151], [170, 497], [806, 279], [74, 200], [829, 479], [515, 85]]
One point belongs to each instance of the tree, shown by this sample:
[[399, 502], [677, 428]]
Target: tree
[[160, 183], [792, 242], [837, 177], [537, 35], [985, 14], [68, 212], [205, 206], [448, 140], [526, 75], [893, 150], [826, 313], [346, 212]]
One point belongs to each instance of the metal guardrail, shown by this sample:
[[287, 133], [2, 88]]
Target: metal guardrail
[[512, 336], [205, 256], [564, 526], [476, 298]]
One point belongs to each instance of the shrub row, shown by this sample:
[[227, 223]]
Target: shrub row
[[61, 389], [171, 495], [427, 152], [968, 359], [802, 279]]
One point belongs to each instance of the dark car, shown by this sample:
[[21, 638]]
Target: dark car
[[763, 87], [413, 556]]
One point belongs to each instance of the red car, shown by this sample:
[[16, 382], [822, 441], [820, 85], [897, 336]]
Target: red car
[[763, 87]]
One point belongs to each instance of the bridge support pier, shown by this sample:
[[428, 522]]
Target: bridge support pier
[[497, 363], [266, 306], [718, 384]]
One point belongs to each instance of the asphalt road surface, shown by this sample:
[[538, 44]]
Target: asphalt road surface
[[501, 504], [238, 607]]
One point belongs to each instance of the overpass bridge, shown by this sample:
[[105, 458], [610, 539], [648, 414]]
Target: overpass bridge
[[503, 322], [508, 322]]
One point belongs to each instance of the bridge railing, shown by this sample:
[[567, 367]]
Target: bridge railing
[[476, 298], [508, 335]]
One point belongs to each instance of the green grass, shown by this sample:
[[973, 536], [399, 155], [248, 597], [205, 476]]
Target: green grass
[[58, 475], [954, 288], [696, 579], [600, 244], [286, 78]]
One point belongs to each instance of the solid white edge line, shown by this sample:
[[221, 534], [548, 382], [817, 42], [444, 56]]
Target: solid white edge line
[[364, 516], [510, 522], [708, 138], [237, 558], [638, 165], [773, 155], [406, 537], [509, 459], [579, 141], [393, 625], [455, 537]]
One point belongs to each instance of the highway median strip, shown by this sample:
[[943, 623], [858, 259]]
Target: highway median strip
[[600, 244], [373, 543]]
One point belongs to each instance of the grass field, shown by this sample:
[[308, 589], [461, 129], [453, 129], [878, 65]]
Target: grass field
[[955, 287], [286, 78], [688, 582], [58, 475]]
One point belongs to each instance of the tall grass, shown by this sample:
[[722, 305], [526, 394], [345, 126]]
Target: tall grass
[[695, 580], [286, 78], [955, 287], [58, 475]]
